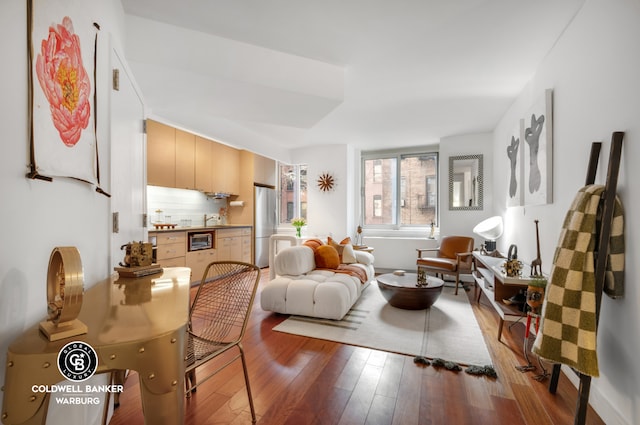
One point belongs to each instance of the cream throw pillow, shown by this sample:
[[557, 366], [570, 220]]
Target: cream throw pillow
[[345, 251]]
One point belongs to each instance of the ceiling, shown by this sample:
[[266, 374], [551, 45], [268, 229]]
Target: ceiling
[[275, 75]]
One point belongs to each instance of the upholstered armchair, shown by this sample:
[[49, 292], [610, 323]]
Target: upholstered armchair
[[453, 257]]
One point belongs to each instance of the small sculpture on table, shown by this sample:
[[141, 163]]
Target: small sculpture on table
[[536, 265], [535, 298], [138, 260], [512, 266]]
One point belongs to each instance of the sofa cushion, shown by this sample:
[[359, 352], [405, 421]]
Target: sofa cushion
[[321, 293], [313, 243], [326, 257], [364, 257], [294, 261], [345, 250], [448, 264]]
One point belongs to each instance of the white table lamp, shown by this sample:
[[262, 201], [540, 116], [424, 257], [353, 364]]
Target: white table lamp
[[490, 229]]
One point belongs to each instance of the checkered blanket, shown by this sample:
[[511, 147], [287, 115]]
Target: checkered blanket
[[567, 332]]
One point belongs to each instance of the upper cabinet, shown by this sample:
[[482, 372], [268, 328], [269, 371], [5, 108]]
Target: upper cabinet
[[185, 160], [226, 167], [204, 164], [179, 159], [264, 170], [161, 154]]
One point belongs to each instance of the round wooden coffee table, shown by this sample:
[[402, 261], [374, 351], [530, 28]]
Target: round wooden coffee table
[[403, 291]]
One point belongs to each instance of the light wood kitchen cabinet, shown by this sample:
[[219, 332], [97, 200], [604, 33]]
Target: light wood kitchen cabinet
[[171, 248], [226, 166], [161, 154], [247, 245], [185, 160], [198, 261], [264, 170], [176, 158], [228, 244], [234, 244], [204, 164]]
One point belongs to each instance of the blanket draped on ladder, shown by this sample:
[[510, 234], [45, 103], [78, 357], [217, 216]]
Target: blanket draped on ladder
[[567, 332]]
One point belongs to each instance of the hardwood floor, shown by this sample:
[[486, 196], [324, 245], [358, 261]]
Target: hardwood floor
[[298, 380]]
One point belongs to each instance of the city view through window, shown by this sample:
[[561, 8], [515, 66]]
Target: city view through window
[[401, 190]]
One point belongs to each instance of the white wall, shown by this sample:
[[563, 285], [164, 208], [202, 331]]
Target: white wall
[[37, 215], [397, 249], [593, 70], [337, 212], [327, 212], [462, 222]]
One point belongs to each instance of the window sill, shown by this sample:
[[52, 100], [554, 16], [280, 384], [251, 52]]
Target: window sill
[[415, 233]]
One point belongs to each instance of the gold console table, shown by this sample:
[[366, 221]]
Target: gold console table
[[133, 323]]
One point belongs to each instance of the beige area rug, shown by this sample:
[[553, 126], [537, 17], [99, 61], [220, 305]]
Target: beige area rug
[[448, 330]]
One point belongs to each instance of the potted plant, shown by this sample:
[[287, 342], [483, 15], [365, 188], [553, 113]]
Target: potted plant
[[298, 222]]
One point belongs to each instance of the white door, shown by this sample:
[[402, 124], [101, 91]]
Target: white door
[[128, 161]]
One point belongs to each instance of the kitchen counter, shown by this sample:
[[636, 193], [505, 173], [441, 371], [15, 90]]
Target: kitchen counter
[[226, 242], [200, 228]]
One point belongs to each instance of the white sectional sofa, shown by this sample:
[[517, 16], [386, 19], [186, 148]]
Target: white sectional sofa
[[300, 289]]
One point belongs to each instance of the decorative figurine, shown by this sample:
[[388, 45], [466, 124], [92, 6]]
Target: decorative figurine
[[512, 266], [536, 265], [137, 254]]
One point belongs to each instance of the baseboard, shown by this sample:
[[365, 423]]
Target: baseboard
[[598, 402]]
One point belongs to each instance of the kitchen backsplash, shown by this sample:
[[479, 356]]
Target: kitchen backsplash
[[184, 207]]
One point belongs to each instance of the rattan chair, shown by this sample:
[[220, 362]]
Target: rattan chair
[[218, 319], [453, 257]]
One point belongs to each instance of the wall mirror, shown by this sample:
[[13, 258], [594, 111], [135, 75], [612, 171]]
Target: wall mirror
[[465, 182]]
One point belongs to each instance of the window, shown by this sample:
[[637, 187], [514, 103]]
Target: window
[[432, 191], [293, 192], [377, 206], [377, 170], [400, 189]]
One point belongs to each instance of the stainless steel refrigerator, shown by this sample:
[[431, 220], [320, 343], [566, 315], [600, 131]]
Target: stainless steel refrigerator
[[265, 222]]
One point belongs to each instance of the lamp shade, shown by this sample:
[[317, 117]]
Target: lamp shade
[[490, 228]]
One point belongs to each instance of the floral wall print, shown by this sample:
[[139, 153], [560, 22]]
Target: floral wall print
[[64, 81], [538, 152], [62, 88]]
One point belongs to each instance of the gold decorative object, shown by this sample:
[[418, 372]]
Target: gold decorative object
[[149, 338], [65, 289], [326, 182], [137, 254]]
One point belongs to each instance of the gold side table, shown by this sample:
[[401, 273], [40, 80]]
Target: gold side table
[[133, 323]]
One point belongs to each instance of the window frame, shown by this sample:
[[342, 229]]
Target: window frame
[[297, 205], [398, 155]]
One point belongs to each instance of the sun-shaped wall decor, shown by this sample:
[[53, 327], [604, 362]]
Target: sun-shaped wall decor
[[326, 182]]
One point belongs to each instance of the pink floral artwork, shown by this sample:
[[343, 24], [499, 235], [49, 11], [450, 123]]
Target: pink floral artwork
[[64, 81]]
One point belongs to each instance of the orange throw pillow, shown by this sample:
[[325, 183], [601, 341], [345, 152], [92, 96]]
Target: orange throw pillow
[[342, 242], [326, 257], [313, 243]]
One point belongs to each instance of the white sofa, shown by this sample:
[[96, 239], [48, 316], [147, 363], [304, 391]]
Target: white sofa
[[300, 289]]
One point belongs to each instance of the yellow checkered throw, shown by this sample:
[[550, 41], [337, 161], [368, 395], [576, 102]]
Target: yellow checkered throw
[[567, 332]]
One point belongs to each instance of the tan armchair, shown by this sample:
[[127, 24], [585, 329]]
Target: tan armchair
[[453, 257]]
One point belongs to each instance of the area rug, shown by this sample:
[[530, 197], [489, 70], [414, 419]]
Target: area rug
[[448, 330]]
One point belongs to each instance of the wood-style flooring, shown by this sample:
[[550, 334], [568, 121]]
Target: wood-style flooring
[[297, 380]]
